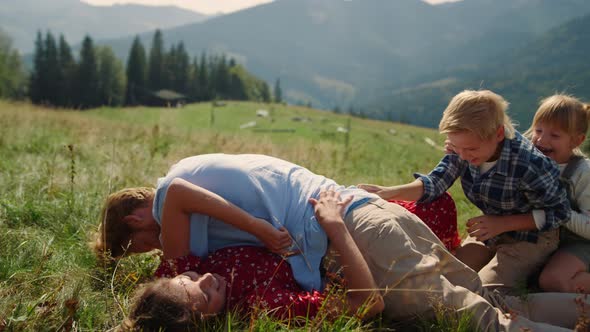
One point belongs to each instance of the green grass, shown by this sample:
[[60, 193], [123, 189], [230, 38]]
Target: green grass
[[57, 166]]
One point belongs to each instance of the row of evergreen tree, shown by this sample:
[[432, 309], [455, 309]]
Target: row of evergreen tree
[[58, 79], [99, 78], [12, 74]]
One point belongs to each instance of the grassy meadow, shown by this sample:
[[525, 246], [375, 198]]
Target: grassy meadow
[[57, 166]]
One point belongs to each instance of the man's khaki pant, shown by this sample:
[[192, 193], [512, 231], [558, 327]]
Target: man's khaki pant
[[415, 272]]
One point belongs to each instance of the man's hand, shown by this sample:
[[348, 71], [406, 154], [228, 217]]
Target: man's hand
[[362, 290], [329, 209], [276, 240], [485, 227]]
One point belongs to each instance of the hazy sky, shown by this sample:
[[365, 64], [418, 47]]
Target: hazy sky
[[205, 6], [440, 1]]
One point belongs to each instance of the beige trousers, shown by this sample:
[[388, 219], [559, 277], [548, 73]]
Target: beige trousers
[[415, 271], [512, 261]]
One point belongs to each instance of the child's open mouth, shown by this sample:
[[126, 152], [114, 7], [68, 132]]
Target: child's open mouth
[[545, 150]]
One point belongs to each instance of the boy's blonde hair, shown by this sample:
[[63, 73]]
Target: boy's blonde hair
[[564, 111], [155, 308], [114, 234], [481, 112]]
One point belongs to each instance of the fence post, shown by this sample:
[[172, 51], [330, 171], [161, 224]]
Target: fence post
[[212, 115], [347, 138]]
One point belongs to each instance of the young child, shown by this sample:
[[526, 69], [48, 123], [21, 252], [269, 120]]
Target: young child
[[559, 128], [515, 186], [250, 278]]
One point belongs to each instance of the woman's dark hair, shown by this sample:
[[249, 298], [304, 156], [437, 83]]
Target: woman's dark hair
[[156, 308]]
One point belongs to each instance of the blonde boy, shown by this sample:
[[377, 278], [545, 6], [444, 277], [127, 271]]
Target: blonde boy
[[515, 186]]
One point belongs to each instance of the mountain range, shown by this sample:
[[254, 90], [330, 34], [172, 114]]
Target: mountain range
[[340, 53], [556, 62], [400, 60], [21, 19]]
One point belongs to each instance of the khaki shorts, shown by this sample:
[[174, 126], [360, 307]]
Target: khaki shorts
[[514, 261], [575, 245]]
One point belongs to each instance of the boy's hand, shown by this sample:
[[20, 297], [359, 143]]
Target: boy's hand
[[485, 227], [372, 188], [382, 191], [449, 147], [329, 209], [276, 240]]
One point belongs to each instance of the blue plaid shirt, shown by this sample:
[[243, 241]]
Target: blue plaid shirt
[[522, 180]]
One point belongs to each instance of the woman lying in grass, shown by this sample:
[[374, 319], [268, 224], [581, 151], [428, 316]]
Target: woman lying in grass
[[252, 278]]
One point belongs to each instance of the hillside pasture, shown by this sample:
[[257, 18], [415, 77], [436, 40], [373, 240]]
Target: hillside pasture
[[57, 166]]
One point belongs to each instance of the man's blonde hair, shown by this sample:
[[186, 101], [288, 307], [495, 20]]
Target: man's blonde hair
[[481, 112], [114, 234]]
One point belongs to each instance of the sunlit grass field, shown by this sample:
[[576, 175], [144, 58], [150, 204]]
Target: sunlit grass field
[[57, 166]]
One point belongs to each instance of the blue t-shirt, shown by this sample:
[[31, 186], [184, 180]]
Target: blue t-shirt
[[268, 188]]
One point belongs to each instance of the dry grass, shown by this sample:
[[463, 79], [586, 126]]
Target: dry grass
[[57, 166]]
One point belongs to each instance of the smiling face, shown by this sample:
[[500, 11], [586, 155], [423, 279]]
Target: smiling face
[[473, 149], [204, 293], [554, 142]]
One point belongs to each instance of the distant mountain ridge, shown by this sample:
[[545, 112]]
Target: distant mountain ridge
[[21, 19], [395, 59], [557, 62], [336, 53]]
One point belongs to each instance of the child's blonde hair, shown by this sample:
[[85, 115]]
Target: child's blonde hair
[[567, 112], [113, 232], [155, 308], [481, 112]]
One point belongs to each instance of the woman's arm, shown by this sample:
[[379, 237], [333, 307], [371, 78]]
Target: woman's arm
[[184, 198], [361, 287]]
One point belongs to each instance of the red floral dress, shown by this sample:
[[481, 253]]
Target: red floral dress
[[256, 279], [440, 215]]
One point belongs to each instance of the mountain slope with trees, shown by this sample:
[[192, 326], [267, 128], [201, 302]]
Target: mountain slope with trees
[[158, 77], [555, 62], [336, 53], [12, 75]]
